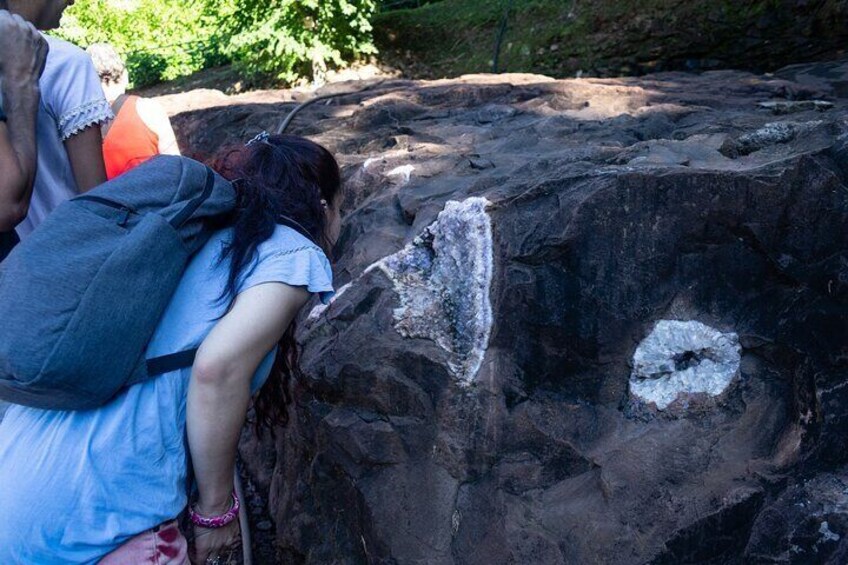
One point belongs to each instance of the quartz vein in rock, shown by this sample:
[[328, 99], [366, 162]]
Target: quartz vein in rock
[[683, 358]]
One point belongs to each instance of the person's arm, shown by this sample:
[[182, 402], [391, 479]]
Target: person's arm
[[85, 152], [219, 394], [16, 181], [19, 80], [12, 209], [154, 117]]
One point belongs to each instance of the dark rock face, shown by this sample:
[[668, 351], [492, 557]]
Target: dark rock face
[[806, 523], [471, 393]]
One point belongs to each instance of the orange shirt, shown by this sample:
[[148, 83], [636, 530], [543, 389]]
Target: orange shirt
[[129, 142]]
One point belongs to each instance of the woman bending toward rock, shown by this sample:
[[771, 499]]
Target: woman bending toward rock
[[108, 484]]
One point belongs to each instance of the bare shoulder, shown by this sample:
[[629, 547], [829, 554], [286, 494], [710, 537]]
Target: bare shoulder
[[151, 113], [150, 107]]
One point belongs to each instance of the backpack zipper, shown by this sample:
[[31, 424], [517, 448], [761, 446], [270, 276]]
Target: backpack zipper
[[128, 210]]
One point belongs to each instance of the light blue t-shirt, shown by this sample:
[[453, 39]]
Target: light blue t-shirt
[[74, 485], [72, 100]]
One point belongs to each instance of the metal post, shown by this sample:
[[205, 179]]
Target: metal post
[[501, 34]]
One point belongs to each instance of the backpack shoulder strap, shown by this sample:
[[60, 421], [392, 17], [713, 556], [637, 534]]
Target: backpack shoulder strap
[[167, 363], [192, 206]]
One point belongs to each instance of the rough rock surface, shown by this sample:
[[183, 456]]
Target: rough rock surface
[[613, 205]]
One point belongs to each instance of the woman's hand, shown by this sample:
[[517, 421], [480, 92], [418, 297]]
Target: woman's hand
[[209, 543]]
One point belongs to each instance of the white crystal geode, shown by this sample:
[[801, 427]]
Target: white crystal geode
[[443, 279], [683, 357]]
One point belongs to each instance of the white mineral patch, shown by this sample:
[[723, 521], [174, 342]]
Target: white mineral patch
[[683, 358], [385, 157], [404, 172], [369, 161], [443, 279], [827, 534]]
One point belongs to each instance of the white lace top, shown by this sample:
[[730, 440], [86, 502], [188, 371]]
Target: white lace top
[[71, 101]]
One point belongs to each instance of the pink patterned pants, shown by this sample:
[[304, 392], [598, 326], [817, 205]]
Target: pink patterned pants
[[162, 545]]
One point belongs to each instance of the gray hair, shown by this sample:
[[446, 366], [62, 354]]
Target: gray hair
[[108, 63]]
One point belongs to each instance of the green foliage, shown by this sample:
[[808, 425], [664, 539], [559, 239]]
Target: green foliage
[[289, 39], [160, 39], [283, 39]]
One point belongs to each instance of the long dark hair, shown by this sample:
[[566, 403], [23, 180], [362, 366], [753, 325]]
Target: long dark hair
[[278, 178]]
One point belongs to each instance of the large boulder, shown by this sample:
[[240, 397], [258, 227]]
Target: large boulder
[[579, 321]]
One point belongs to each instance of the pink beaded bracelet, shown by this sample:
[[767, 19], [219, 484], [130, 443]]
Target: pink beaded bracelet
[[215, 521]]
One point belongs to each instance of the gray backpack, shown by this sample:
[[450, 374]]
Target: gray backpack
[[82, 295]]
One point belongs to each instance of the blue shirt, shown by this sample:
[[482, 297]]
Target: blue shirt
[[76, 485], [72, 100]]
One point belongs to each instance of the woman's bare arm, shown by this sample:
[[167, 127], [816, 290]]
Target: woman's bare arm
[[85, 152], [219, 390], [19, 78]]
